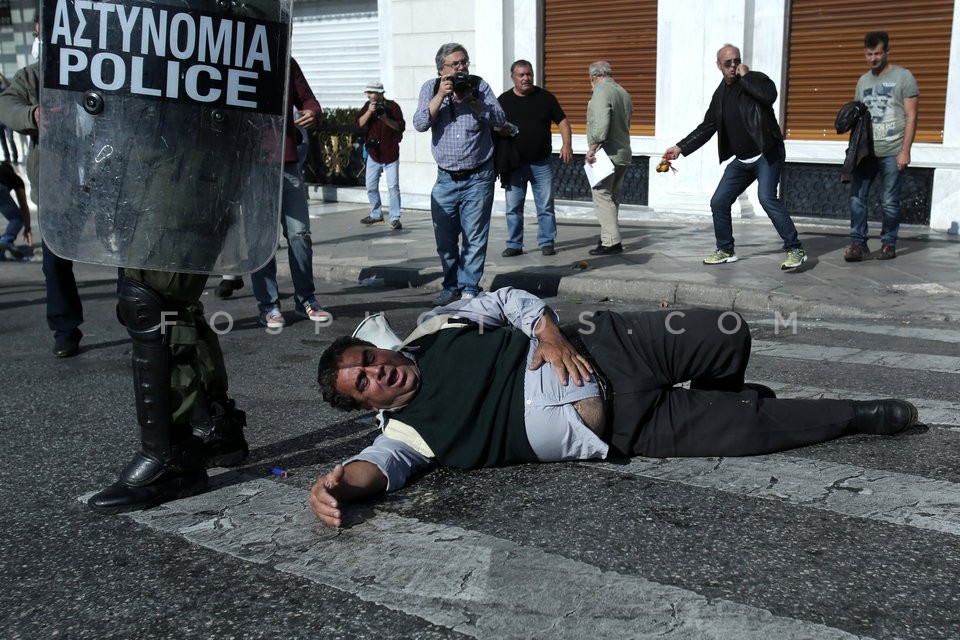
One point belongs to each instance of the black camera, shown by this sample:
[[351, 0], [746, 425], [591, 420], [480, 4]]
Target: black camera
[[372, 144], [464, 84], [379, 108]]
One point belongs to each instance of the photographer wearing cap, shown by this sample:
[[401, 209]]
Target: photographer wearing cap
[[461, 111], [382, 122]]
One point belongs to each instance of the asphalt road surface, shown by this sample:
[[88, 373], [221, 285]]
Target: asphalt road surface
[[858, 537]]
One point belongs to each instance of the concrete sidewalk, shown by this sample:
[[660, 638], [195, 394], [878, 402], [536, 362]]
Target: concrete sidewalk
[[662, 262]]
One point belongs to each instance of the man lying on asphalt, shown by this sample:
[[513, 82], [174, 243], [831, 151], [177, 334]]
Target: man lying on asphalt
[[495, 380]]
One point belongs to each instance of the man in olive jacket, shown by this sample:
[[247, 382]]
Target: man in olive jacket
[[608, 128]]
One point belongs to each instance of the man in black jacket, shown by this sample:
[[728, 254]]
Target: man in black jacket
[[741, 111]]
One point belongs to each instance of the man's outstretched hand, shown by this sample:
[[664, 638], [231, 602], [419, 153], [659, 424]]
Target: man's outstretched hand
[[324, 505], [355, 481]]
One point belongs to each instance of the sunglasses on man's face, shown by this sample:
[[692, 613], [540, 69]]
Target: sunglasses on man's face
[[732, 62]]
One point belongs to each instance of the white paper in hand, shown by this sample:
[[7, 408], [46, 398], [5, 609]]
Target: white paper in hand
[[600, 169]]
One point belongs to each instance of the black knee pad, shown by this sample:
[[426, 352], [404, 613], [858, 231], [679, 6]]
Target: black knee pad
[[141, 310]]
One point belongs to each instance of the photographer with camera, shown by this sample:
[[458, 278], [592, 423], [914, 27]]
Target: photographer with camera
[[461, 111], [382, 121]]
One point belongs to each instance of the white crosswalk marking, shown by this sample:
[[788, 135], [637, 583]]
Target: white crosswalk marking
[[937, 412], [488, 587], [886, 496], [847, 355], [893, 331], [472, 583]]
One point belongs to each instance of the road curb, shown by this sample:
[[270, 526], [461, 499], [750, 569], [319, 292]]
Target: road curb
[[667, 293]]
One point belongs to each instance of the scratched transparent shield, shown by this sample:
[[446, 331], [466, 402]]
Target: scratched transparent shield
[[162, 132]]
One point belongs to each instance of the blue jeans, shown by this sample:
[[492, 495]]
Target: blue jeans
[[890, 181], [11, 211], [374, 169], [540, 177], [461, 210], [736, 178], [295, 222]]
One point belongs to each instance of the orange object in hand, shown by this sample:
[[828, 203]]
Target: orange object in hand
[[665, 165]]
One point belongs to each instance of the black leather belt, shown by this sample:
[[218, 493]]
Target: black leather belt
[[463, 174], [606, 389]]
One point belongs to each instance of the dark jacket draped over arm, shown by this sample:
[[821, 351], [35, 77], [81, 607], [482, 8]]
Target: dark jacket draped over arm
[[855, 118]]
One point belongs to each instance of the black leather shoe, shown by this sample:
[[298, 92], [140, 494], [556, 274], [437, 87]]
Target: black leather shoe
[[510, 252], [602, 250], [882, 417], [66, 347], [147, 481], [548, 250], [227, 286]]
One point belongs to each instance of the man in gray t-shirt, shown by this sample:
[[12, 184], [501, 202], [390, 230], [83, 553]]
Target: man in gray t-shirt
[[891, 95]]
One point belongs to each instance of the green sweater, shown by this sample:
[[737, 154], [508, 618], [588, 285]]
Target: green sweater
[[469, 408]]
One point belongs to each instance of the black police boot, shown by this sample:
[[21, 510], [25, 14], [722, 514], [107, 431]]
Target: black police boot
[[149, 479], [170, 464], [219, 424], [882, 417]]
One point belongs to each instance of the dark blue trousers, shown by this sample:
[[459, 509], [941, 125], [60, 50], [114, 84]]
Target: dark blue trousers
[[64, 309]]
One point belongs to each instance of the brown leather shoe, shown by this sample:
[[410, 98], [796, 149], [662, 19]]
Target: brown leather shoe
[[857, 252]]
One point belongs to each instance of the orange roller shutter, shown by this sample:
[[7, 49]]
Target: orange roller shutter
[[826, 59], [623, 33]]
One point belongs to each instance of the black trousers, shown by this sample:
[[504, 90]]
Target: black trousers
[[64, 309], [645, 354]]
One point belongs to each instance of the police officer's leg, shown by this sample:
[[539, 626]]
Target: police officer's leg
[[198, 377], [170, 463], [215, 417]]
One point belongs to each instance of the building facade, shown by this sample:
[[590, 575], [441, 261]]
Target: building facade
[[664, 54]]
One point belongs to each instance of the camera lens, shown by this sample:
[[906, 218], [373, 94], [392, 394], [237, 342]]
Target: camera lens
[[461, 85]]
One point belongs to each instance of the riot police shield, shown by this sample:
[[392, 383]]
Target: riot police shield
[[162, 132]]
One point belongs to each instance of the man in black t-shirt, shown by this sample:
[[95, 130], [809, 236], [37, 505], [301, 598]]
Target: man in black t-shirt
[[525, 157]]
